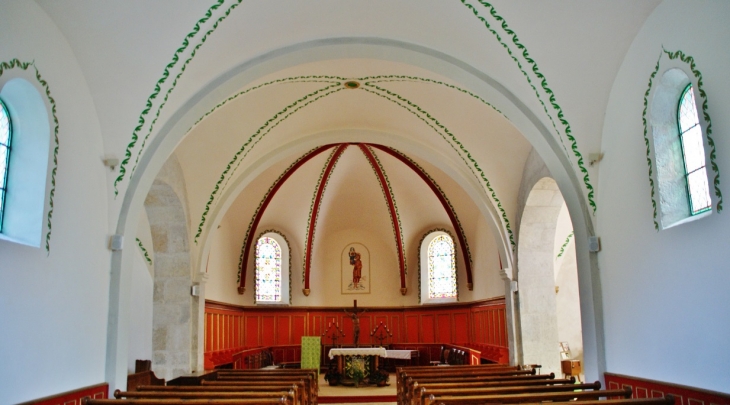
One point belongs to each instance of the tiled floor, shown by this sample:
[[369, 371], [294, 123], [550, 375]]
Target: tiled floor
[[326, 390]]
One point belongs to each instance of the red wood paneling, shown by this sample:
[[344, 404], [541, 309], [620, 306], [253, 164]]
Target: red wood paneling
[[481, 326], [444, 328], [298, 328], [252, 331], [427, 332], [268, 330], [412, 329], [395, 328], [283, 330], [74, 397], [461, 328], [684, 395]]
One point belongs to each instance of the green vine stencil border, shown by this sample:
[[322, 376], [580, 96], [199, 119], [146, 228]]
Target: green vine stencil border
[[446, 198], [438, 127], [334, 84], [15, 63], [144, 252], [565, 244], [258, 209], [288, 246], [312, 207], [263, 130], [646, 138], [395, 204], [403, 78], [174, 82], [165, 74], [544, 85], [456, 258], [689, 60]]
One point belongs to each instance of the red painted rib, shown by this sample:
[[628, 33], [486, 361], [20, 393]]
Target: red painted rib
[[442, 199], [393, 215], [315, 209], [269, 197]]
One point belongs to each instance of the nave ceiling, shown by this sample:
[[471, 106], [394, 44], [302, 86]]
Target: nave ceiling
[[446, 84]]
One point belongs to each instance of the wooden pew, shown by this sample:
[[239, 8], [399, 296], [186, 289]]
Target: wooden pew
[[313, 374], [299, 389], [143, 375], [185, 395], [468, 399], [406, 376], [421, 395], [243, 401], [402, 373], [307, 387], [414, 390]]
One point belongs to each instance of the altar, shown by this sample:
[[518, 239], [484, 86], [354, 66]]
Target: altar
[[357, 358]]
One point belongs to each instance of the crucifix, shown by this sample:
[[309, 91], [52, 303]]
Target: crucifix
[[355, 321]]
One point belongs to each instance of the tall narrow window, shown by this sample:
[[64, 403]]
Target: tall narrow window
[[693, 152], [441, 268], [268, 270], [5, 135]]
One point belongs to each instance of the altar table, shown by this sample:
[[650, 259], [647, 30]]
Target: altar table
[[371, 354]]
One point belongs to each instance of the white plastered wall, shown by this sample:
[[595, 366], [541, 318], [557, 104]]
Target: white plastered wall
[[665, 292], [53, 306]]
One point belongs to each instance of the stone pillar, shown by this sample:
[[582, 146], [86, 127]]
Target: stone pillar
[[536, 277], [173, 306]]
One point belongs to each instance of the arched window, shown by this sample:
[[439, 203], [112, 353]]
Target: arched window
[[438, 268], [693, 152], [678, 146], [272, 269], [6, 131], [24, 162]]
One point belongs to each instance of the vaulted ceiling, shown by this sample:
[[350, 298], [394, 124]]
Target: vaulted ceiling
[[238, 91]]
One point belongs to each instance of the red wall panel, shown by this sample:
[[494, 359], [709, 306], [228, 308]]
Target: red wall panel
[[444, 328], [684, 395], [480, 326], [461, 328], [283, 331], [298, 328], [268, 330], [427, 332], [412, 329], [252, 331]]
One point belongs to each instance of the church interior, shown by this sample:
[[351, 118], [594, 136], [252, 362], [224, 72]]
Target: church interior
[[197, 183]]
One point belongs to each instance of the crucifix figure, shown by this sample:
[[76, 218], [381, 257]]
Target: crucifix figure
[[355, 321]]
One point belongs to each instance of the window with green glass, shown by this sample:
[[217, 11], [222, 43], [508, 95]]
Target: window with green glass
[[6, 130], [693, 153]]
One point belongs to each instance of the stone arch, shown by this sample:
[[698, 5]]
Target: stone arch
[[525, 119], [175, 312], [536, 277]]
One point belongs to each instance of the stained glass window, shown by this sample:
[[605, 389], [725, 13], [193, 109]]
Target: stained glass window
[[5, 133], [693, 151], [268, 270], [441, 268]]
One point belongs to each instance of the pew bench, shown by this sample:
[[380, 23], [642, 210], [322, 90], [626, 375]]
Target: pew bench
[[465, 397]]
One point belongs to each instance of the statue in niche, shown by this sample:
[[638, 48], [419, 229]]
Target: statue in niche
[[355, 261]]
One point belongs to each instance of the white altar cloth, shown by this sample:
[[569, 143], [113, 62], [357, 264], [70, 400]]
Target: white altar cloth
[[399, 354], [358, 351]]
